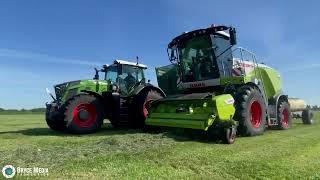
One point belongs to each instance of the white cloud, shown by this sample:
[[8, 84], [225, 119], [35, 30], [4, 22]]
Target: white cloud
[[19, 55]]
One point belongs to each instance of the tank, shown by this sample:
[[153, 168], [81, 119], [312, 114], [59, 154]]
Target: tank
[[297, 104]]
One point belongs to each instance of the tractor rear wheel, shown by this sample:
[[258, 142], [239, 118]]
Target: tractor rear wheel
[[84, 114], [250, 111], [144, 101], [284, 115], [307, 116]]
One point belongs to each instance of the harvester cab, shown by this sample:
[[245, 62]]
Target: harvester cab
[[204, 57], [211, 83]]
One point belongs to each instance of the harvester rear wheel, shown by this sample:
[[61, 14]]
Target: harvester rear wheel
[[307, 116], [84, 114], [250, 111], [144, 101], [284, 115]]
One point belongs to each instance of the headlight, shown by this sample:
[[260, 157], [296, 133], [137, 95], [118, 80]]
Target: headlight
[[190, 110]]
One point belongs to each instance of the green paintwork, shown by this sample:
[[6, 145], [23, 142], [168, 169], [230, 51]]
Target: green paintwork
[[232, 80], [196, 113], [224, 106], [167, 79], [97, 86], [271, 80]]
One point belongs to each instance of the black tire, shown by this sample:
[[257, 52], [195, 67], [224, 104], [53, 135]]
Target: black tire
[[55, 119], [284, 118], [307, 116], [250, 111], [115, 109], [83, 114], [229, 135], [143, 103]]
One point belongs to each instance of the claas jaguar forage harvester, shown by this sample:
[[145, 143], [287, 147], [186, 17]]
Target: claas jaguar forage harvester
[[214, 86]]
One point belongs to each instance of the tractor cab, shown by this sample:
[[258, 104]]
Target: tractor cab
[[201, 56], [124, 75]]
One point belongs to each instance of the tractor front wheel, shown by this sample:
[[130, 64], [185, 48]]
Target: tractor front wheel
[[84, 114], [54, 118], [250, 111]]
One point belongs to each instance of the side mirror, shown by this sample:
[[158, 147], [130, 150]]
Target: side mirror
[[104, 68], [233, 36], [96, 76]]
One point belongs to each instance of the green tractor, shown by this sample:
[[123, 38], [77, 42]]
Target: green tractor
[[122, 96], [214, 86]]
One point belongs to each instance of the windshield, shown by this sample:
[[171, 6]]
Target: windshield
[[111, 74], [196, 58], [129, 77], [132, 71]]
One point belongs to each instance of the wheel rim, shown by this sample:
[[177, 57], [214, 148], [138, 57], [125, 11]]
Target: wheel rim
[[146, 106], [285, 120], [84, 115], [232, 136], [256, 114]]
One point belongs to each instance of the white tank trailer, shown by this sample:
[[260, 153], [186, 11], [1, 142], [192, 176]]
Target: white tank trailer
[[299, 110]]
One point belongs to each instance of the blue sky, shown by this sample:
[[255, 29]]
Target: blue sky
[[46, 42]]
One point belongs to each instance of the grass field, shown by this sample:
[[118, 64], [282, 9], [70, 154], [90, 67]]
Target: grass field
[[25, 141]]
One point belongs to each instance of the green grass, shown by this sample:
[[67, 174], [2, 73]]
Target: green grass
[[25, 141]]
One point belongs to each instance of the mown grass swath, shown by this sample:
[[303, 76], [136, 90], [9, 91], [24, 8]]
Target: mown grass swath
[[25, 141]]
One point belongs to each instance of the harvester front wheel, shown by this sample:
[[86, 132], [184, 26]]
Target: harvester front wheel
[[250, 111], [284, 115], [229, 135], [84, 114], [307, 116], [144, 101]]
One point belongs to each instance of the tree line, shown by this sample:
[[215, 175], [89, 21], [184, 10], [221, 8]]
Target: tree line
[[27, 111], [315, 107]]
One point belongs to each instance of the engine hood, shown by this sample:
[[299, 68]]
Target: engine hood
[[66, 90]]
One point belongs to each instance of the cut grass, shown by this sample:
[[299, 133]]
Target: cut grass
[[25, 141]]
